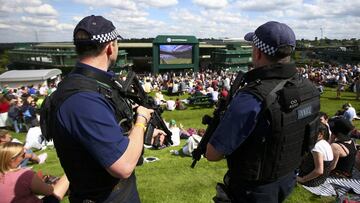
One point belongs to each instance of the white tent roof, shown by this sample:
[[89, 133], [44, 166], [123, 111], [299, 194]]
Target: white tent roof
[[28, 75]]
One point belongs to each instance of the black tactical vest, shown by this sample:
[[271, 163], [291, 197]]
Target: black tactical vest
[[290, 106], [89, 180]]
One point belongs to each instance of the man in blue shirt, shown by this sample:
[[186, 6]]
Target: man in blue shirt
[[247, 136], [349, 112], [97, 157]]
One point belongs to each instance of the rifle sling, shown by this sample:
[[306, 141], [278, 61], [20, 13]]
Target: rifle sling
[[236, 84], [99, 77]]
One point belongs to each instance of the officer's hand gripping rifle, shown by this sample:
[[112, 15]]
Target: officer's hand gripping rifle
[[213, 122], [132, 89]]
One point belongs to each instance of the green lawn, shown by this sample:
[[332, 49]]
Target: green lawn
[[171, 179]]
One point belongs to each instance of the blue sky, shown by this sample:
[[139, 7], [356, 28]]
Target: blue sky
[[54, 20]]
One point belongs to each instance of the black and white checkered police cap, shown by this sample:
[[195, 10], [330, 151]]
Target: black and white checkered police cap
[[99, 29], [270, 36]]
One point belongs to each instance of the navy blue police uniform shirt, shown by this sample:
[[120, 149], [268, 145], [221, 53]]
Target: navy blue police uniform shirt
[[90, 119], [237, 123]]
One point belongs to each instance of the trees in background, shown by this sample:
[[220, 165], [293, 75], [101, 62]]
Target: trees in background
[[4, 61]]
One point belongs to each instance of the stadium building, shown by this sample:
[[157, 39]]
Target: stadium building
[[164, 53]]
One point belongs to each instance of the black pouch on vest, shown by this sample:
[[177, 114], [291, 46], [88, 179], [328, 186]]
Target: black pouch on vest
[[221, 194], [289, 98]]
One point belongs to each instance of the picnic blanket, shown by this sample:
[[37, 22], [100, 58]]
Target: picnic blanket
[[337, 186]]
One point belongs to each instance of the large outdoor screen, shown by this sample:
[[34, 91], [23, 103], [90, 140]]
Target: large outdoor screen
[[176, 54]]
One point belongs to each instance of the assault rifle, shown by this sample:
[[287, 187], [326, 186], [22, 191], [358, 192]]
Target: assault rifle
[[213, 122], [132, 89]]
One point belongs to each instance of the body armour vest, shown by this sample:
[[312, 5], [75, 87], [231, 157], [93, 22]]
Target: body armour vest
[[290, 105], [89, 180]]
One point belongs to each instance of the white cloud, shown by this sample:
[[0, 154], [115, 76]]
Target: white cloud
[[159, 3], [186, 16], [45, 9], [351, 8], [10, 8], [77, 18], [33, 7], [4, 26], [209, 23], [26, 2], [332, 28], [298, 9], [211, 4], [134, 24], [65, 26], [336, 8], [120, 14], [269, 5], [39, 22], [119, 4], [222, 16], [202, 18], [125, 18]]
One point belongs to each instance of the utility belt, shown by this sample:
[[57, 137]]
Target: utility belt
[[122, 192], [223, 190], [223, 194]]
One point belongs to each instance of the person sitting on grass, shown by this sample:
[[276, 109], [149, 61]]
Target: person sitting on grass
[[159, 98], [324, 119], [349, 112], [343, 148], [170, 105], [5, 137], [35, 139], [175, 137], [316, 165], [179, 105], [22, 185], [157, 139], [191, 143]]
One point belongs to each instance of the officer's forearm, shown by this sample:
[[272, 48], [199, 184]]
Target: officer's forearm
[[212, 154], [135, 147], [126, 164]]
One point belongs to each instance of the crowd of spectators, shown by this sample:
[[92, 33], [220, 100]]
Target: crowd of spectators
[[216, 83], [19, 106], [346, 77], [210, 83]]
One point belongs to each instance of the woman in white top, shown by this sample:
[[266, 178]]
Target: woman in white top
[[175, 131], [316, 166]]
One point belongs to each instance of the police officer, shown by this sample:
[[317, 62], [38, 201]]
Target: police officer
[[264, 131], [94, 152]]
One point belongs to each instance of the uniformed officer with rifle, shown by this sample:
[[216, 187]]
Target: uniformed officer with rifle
[[268, 124], [97, 136]]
